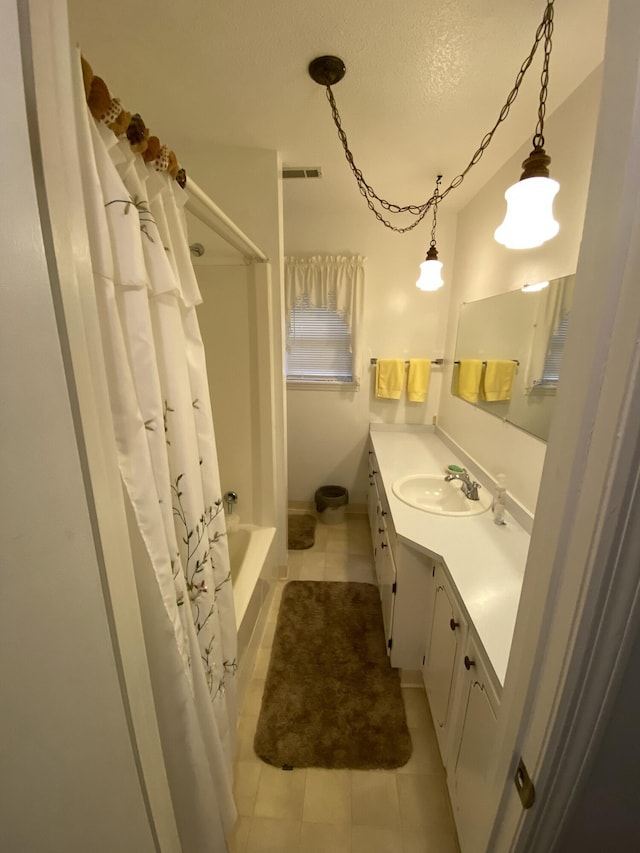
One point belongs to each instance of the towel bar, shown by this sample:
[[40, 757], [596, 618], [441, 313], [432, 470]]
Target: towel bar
[[433, 361], [484, 362]]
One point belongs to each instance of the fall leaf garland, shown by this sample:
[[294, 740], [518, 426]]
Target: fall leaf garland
[[109, 110]]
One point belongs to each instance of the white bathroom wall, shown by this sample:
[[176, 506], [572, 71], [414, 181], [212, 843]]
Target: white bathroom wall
[[327, 430], [245, 183], [224, 318], [484, 268]]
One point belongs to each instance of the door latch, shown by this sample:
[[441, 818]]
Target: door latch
[[524, 786]]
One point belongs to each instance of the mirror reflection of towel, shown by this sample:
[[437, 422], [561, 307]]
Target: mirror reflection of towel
[[418, 379], [389, 378], [498, 380], [469, 373]]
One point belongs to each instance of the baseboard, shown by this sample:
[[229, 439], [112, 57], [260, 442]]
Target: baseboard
[[411, 678], [296, 507]]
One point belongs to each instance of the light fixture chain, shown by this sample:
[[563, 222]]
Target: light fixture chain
[[538, 138], [436, 198], [544, 30], [366, 190]]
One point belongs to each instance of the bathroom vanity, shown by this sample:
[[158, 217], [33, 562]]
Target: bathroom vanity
[[449, 588]]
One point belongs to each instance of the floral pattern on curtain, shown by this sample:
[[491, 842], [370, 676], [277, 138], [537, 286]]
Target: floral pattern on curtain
[[146, 295]]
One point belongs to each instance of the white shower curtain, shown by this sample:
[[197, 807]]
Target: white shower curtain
[[146, 294]]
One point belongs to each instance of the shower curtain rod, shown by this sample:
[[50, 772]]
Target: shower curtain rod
[[101, 104], [213, 217]]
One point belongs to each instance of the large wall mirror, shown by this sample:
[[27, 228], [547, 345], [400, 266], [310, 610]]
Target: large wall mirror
[[528, 328]]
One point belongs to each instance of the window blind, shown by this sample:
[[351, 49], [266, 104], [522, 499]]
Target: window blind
[[318, 346], [553, 360]]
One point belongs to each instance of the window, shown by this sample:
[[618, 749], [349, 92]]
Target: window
[[550, 330], [323, 308], [553, 360], [319, 346]]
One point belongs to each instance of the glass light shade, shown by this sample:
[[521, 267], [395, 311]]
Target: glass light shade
[[529, 220], [430, 275]]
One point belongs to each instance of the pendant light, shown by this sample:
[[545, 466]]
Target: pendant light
[[529, 219], [431, 268]]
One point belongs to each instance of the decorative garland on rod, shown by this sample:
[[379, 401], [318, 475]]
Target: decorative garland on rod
[[110, 111]]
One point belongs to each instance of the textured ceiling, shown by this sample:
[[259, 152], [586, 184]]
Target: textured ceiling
[[425, 80]]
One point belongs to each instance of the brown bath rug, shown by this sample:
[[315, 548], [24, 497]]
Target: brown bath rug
[[331, 698], [302, 532]]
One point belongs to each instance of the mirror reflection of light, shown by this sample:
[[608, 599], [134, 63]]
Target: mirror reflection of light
[[535, 286]]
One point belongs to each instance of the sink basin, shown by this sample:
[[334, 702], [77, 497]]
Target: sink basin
[[432, 493]]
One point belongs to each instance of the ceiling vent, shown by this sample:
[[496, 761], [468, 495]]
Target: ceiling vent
[[300, 172]]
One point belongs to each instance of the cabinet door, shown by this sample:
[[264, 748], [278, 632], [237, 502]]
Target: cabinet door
[[446, 636], [469, 770], [373, 502], [385, 565]]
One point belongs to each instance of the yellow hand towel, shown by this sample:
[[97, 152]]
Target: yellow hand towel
[[389, 378], [498, 379], [418, 379], [469, 373]]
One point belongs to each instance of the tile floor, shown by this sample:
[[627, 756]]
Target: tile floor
[[338, 811]]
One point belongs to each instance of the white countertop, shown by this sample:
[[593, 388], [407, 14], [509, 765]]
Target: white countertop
[[485, 561]]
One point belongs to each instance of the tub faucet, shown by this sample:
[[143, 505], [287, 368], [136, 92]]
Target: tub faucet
[[469, 486], [230, 498]]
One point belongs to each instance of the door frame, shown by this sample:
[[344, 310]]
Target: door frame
[[579, 613], [48, 77]]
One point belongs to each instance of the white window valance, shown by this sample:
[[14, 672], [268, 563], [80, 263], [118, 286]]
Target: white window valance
[[327, 281], [323, 303]]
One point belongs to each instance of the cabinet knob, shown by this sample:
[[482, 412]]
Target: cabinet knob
[[383, 512], [468, 663], [453, 624], [381, 530], [383, 545], [373, 472]]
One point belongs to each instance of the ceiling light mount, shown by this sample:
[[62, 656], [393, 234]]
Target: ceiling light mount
[[327, 70]]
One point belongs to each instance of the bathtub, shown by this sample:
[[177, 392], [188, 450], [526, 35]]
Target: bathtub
[[249, 548]]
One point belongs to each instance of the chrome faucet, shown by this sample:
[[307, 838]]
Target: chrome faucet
[[230, 498], [469, 487]]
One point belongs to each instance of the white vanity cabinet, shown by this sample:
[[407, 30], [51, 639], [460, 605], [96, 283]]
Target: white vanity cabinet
[[373, 499], [383, 540], [404, 579], [470, 760], [387, 578], [457, 588], [446, 636]]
